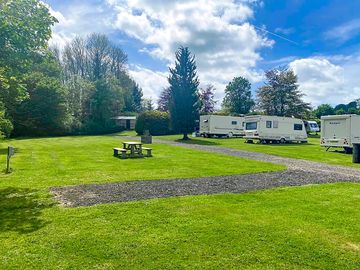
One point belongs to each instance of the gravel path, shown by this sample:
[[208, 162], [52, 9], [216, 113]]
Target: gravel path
[[86, 195], [300, 172]]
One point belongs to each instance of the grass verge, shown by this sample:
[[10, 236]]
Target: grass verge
[[310, 151], [46, 162], [310, 227]]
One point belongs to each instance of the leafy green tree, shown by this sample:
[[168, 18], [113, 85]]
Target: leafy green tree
[[45, 111], [353, 111], [340, 111], [79, 92], [238, 98], [281, 95], [106, 102], [324, 109], [184, 84], [25, 28]]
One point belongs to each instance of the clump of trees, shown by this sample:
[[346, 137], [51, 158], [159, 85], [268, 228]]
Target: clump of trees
[[50, 92], [99, 87], [326, 109], [281, 95], [238, 98]]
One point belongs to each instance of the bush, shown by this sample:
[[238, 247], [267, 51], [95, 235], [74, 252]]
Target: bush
[[6, 127], [158, 123]]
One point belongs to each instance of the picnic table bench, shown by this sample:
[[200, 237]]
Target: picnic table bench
[[132, 149]]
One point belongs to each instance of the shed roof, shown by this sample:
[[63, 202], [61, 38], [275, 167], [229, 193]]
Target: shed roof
[[124, 118]]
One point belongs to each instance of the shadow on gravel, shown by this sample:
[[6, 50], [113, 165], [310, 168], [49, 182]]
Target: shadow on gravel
[[21, 209]]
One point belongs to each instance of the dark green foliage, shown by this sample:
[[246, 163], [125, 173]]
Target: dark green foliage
[[184, 82], [281, 95], [327, 109], [137, 95], [25, 27], [238, 98], [45, 111], [324, 109], [158, 123], [105, 103], [98, 83], [6, 127]]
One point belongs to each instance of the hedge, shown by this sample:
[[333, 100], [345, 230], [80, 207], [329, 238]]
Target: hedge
[[158, 123]]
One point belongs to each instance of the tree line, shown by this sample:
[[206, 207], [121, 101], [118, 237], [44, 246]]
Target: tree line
[[185, 101], [75, 90], [80, 88]]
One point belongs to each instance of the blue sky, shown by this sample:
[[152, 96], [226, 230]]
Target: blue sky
[[318, 39]]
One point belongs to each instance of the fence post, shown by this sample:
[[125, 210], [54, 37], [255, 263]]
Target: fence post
[[10, 153], [356, 153]]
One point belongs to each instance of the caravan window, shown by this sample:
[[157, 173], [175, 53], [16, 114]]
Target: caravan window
[[268, 124], [298, 127], [251, 126], [276, 124], [234, 122]]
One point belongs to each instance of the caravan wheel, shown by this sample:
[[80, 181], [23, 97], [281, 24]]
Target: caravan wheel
[[230, 135], [282, 141]]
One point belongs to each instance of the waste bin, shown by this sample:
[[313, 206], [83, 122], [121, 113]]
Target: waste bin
[[146, 138], [356, 153]]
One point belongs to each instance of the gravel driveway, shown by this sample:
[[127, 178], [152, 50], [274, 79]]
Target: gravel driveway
[[299, 172]]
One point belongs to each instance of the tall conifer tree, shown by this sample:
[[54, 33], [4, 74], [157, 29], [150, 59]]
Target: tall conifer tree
[[184, 85]]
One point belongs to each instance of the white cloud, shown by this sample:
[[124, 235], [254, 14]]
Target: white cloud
[[325, 82], [151, 82], [344, 32], [80, 19], [217, 32]]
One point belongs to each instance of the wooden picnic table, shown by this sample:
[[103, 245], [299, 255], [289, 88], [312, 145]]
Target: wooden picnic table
[[135, 148]]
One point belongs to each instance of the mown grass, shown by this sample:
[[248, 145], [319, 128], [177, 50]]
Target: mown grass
[[311, 227], [46, 162], [309, 151]]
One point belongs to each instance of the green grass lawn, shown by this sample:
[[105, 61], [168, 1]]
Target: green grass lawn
[[310, 151], [46, 162], [310, 227]]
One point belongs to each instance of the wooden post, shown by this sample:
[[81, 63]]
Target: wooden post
[[356, 153], [10, 153]]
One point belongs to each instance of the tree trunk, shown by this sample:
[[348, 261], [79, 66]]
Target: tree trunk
[[185, 137]]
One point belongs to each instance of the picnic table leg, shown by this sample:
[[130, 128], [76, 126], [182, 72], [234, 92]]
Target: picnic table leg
[[132, 151]]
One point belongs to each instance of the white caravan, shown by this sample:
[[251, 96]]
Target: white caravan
[[340, 131], [219, 125], [274, 129], [311, 126]]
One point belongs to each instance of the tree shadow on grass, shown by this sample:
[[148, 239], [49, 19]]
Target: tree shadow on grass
[[197, 141], [21, 210]]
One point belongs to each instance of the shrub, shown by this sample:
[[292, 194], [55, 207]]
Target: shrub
[[158, 123], [6, 127]]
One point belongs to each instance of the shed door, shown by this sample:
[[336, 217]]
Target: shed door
[[128, 124]]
